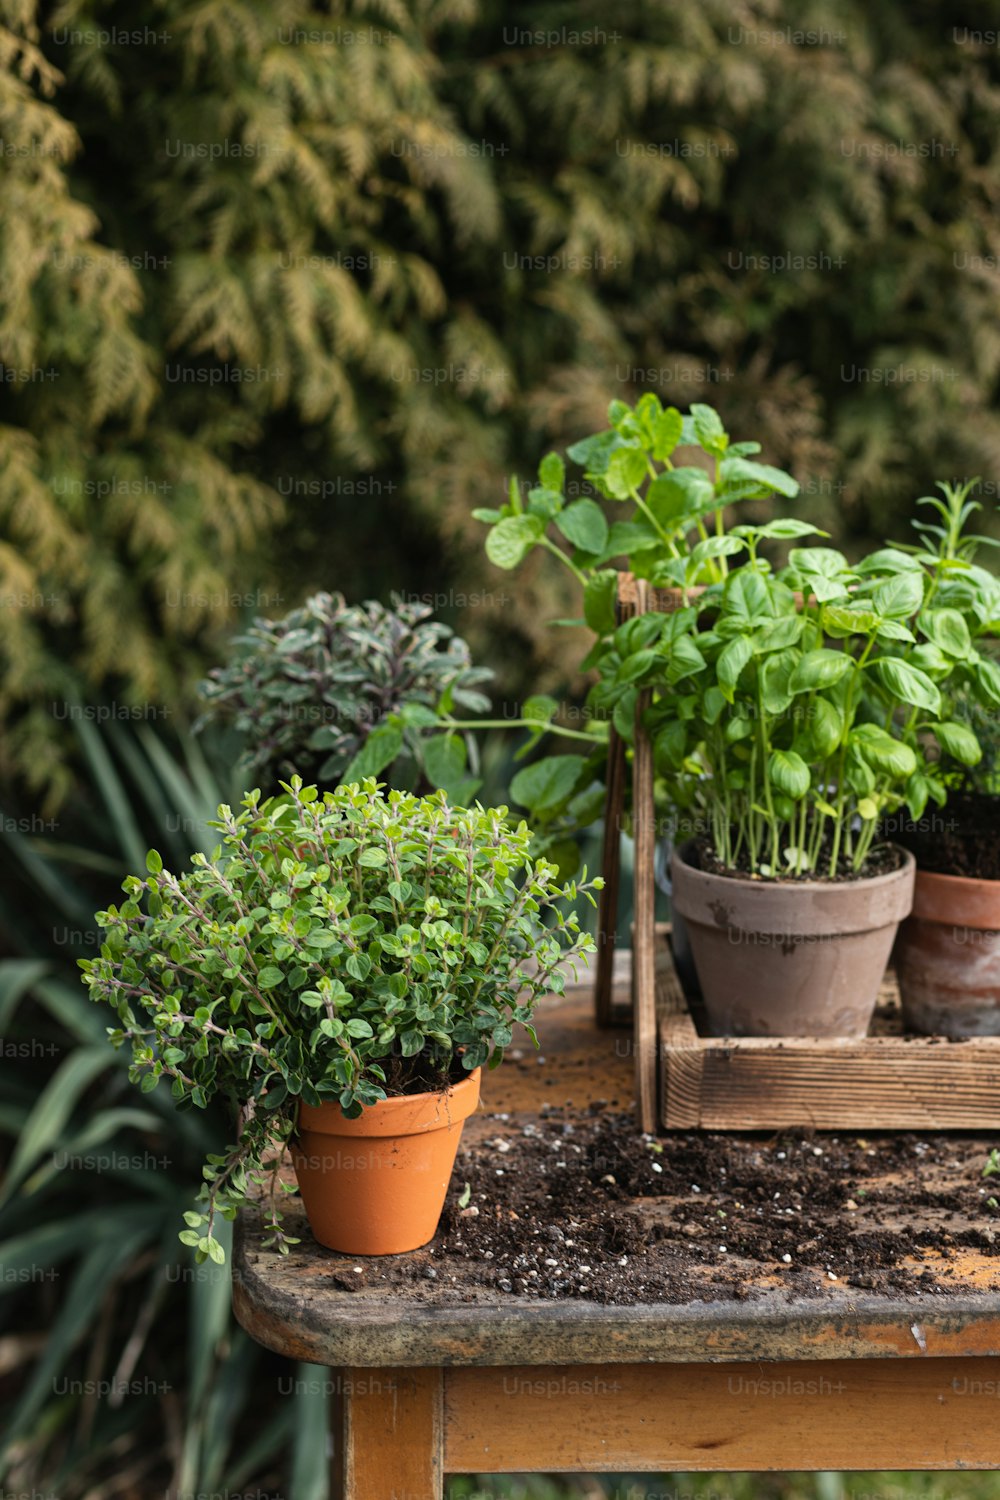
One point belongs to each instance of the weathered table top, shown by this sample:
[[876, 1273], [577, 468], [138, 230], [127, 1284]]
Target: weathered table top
[[297, 1305]]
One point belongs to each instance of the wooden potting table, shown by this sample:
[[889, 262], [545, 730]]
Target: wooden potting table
[[835, 1381]]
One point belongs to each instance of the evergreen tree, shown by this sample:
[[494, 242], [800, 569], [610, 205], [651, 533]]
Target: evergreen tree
[[329, 274]]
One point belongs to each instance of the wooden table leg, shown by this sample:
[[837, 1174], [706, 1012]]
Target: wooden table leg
[[388, 1441]]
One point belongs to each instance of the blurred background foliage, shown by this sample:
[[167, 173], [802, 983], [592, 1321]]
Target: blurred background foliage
[[285, 292], [419, 258]]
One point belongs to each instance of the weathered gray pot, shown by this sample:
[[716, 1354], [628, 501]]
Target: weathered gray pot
[[802, 958], [679, 941], [948, 957]]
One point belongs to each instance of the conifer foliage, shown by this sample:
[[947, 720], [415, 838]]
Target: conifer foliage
[[257, 252]]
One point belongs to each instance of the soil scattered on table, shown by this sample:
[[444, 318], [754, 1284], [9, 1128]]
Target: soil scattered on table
[[570, 1205]]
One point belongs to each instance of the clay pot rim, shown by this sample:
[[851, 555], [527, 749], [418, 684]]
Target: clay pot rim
[[401, 1114], [947, 899], [868, 882], [805, 908]]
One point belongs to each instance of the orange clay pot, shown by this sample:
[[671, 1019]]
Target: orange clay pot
[[376, 1185]]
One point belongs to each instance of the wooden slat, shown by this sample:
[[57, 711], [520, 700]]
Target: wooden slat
[[681, 1050], [634, 596], [611, 862], [644, 943], [388, 1435], [875, 1414], [880, 1082]]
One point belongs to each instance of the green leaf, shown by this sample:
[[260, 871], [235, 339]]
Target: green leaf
[[820, 669], [379, 750], [841, 620], [544, 784], [825, 727], [718, 546], [900, 597], [540, 707], [512, 539], [889, 560], [959, 741], [583, 524], [907, 684], [788, 527], [948, 630], [444, 759], [746, 596], [552, 472], [269, 977], [776, 673], [154, 864], [52, 1110], [599, 601], [789, 773], [778, 635], [708, 428], [629, 538], [917, 792], [681, 496], [881, 750], [683, 659], [667, 429], [626, 471], [544, 503], [765, 479], [987, 675], [894, 630], [417, 716], [731, 662]]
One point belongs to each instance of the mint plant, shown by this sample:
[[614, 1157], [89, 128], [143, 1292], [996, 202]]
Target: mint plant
[[671, 531], [793, 709], [340, 947], [341, 692]]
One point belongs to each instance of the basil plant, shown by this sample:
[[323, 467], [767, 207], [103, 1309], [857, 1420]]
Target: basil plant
[[341, 947], [792, 709]]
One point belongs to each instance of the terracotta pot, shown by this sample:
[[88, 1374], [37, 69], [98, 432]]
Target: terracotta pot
[[802, 958], [376, 1185], [948, 957]]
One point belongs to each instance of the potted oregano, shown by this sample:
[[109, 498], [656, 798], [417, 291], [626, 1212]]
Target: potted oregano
[[793, 710], [339, 972], [338, 692], [948, 950]]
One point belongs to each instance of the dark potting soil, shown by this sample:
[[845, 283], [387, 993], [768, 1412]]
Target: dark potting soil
[[421, 1074], [961, 838], [882, 859], [580, 1205]]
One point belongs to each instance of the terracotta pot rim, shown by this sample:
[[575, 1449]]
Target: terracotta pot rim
[[401, 1114], [957, 900]]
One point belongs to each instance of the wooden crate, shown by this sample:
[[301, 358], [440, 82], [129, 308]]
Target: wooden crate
[[884, 1081]]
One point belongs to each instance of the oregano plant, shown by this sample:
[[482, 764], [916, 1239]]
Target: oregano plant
[[345, 946]]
